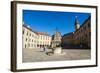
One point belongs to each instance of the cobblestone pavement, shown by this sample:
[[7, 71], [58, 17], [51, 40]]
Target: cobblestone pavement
[[38, 55]]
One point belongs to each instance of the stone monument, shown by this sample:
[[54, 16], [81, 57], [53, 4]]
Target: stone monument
[[57, 50]]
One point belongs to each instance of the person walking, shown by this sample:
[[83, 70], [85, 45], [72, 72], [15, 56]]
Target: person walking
[[44, 49]]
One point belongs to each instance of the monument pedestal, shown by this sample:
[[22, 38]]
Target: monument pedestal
[[57, 50]]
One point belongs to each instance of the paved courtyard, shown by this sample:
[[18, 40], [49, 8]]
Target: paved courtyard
[[38, 55]]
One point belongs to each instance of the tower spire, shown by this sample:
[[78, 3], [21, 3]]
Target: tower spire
[[77, 25], [56, 29]]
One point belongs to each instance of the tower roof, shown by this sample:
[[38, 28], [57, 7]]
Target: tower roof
[[76, 20]]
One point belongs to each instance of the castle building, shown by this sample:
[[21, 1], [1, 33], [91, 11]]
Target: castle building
[[56, 39], [82, 35], [33, 39]]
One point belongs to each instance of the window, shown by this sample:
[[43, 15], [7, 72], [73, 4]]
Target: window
[[23, 31], [25, 45], [26, 39], [27, 33], [37, 45], [89, 25], [32, 40], [30, 34]]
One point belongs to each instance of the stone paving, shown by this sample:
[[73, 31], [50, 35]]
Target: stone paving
[[38, 55]]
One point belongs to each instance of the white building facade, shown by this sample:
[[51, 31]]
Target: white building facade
[[33, 39], [44, 40]]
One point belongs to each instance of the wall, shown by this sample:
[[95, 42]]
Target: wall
[[5, 37]]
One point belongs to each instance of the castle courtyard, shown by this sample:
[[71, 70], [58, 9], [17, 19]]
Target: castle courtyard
[[38, 55]]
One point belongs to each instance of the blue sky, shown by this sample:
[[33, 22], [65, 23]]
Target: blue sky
[[48, 21]]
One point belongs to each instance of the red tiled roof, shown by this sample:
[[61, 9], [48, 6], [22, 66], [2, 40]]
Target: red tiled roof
[[39, 33]]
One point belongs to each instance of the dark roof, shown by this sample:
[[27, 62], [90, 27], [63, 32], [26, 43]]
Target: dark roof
[[68, 34]]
